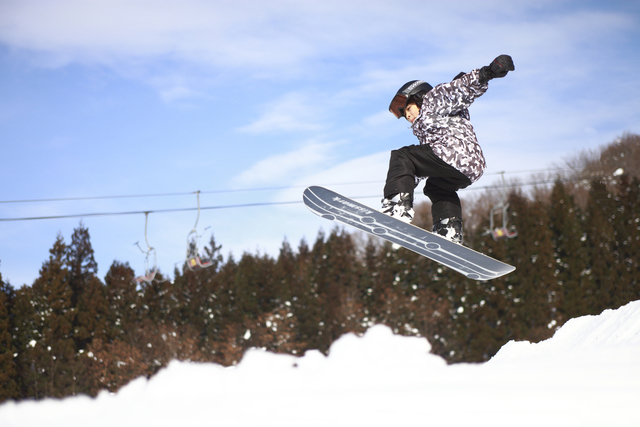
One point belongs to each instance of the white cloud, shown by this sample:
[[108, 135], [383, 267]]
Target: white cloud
[[284, 38], [175, 88], [362, 176], [285, 168], [242, 33], [234, 33], [290, 113]]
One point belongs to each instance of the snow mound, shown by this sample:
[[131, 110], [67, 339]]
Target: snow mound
[[613, 333], [587, 374]]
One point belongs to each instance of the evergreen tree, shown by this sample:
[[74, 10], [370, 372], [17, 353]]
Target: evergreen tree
[[369, 292], [626, 221], [623, 153], [159, 302], [254, 285], [409, 273], [278, 329], [602, 272], [298, 272], [26, 334], [194, 291], [87, 290], [53, 353], [307, 304], [567, 226], [113, 364], [222, 329], [198, 286], [160, 316], [124, 354], [208, 296], [532, 290], [124, 308], [8, 368], [334, 277], [481, 315], [286, 276], [80, 261]]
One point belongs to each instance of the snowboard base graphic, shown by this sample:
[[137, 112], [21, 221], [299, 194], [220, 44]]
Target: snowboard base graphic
[[335, 207]]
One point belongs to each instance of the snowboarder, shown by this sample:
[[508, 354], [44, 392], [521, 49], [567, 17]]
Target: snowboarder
[[448, 155]]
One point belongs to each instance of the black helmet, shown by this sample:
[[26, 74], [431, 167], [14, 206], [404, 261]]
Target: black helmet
[[400, 101]]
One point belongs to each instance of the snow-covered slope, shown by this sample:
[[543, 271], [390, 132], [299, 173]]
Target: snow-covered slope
[[588, 374]]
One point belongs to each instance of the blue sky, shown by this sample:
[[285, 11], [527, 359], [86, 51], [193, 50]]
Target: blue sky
[[140, 97]]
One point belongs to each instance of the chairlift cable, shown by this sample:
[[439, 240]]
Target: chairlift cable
[[148, 195], [246, 205]]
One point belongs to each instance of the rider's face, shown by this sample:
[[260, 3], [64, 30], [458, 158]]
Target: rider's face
[[411, 112]]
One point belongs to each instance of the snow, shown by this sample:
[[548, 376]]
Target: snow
[[587, 374]]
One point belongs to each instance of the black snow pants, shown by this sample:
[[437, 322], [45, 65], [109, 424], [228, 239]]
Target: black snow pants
[[443, 180]]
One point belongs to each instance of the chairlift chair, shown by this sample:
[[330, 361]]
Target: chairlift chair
[[150, 256], [194, 261], [504, 231], [499, 233]]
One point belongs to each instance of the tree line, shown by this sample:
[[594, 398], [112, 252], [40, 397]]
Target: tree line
[[576, 253]]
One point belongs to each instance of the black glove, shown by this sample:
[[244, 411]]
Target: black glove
[[498, 68]]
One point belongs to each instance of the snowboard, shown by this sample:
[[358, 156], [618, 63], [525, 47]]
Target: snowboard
[[335, 207]]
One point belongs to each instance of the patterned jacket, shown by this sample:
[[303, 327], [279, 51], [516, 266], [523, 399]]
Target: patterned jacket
[[443, 123]]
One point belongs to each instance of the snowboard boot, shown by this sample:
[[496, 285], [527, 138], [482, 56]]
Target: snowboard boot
[[450, 229], [399, 206]]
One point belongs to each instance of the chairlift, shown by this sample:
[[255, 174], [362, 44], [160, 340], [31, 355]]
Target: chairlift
[[150, 257], [194, 261], [503, 231]]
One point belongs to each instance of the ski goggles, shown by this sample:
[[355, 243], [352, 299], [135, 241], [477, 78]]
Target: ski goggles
[[398, 105]]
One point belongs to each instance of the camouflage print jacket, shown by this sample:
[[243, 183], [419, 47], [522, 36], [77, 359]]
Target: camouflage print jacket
[[443, 123]]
